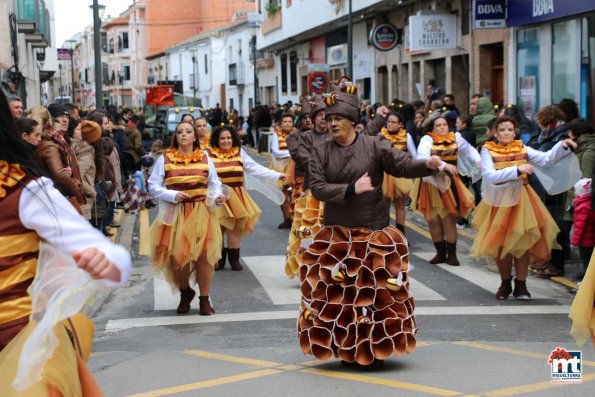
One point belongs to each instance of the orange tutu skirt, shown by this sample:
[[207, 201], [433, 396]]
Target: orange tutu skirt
[[396, 188], [356, 303], [239, 211], [307, 221], [514, 230], [428, 200], [64, 374], [195, 232]]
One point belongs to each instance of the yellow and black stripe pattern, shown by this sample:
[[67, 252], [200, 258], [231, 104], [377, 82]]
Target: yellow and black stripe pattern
[[229, 165], [445, 146], [511, 155], [187, 173], [398, 140]]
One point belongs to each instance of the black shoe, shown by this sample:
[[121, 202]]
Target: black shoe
[[285, 225]]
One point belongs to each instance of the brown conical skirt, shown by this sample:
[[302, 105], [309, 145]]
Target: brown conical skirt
[[307, 218], [335, 324]]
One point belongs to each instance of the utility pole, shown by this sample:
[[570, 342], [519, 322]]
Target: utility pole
[[97, 50], [350, 43]]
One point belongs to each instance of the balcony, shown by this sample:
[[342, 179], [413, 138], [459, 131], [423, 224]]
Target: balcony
[[33, 19], [236, 74], [271, 23]]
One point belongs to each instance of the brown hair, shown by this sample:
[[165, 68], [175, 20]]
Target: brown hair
[[549, 115], [174, 141], [505, 119]]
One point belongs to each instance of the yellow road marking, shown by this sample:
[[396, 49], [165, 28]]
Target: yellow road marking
[[313, 363], [290, 367], [513, 351], [233, 359], [381, 381], [564, 281], [144, 244], [512, 391], [207, 383]]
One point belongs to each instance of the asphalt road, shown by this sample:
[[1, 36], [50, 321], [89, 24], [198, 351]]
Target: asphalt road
[[469, 344]]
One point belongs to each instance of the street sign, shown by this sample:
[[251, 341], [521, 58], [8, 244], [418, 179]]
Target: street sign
[[385, 36], [318, 82], [63, 54], [489, 14]]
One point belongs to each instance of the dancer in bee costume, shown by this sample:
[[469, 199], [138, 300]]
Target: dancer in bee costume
[[281, 162], [186, 235], [443, 199], [299, 169], [239, 214], [355, 291], [42, 354], [396, 190], [201, 128], [513, 225]]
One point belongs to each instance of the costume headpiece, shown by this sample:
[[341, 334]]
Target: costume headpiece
[[343, 100]]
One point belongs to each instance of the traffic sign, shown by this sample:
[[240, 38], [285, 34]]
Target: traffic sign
[[318, 82]]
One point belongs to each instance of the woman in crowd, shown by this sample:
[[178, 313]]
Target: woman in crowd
[[186, 237], [34, 211], [30, 131], [280, 163], [396, 190], [418, 124], [202, 128], [346, 173], [443, 198], [240, 213], [513, 226]]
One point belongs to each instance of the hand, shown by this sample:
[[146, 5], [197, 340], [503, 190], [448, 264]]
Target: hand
[[383, 111], [526, 169], [363, 184], [181, 196], [569, 143], [220, 200], [96, 264], [68, 171], [433, 162], [451, 169]]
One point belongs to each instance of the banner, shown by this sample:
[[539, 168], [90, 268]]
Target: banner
[[160, 95], [489, 14], [432, 32]]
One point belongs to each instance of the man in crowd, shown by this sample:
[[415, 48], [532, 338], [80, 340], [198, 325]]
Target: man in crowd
[[16, 107]]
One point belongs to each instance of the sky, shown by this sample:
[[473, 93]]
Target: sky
[[72, 16]]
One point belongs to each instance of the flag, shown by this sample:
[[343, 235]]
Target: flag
[[160, 95]]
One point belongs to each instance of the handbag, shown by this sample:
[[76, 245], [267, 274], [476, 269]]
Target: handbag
[[132, 198]]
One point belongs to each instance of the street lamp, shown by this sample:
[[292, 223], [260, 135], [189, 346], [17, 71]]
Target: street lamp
[[350, 43], [70, 45], [98, 11], [254, 30]]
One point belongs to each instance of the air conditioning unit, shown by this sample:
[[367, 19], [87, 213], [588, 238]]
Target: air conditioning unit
[[336, 55]]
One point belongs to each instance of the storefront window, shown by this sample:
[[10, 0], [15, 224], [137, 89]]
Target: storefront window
[[528, 70], [565, 61], [587, 105]]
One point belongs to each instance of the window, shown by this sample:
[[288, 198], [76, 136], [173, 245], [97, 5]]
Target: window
[[293, 60], [528, 70], [565, 61], [125, 40], [284, 73], [126, 72], [206, 64]]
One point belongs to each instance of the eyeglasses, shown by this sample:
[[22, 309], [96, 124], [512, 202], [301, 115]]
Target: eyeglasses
[[337, 119], [393, 122]]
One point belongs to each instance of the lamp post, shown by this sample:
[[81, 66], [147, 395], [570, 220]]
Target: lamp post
[[255, 74], [71, 43], [61, 87], [98, 11], [350, 43]]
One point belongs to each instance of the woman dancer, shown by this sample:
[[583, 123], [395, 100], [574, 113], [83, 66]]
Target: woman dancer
[[34, 211], [240, 213], [187, 238], [357, 259], [443, 198], [281, 163], [513, 226]]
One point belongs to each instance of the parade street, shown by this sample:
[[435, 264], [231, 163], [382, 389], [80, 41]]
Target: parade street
[[469, 344]]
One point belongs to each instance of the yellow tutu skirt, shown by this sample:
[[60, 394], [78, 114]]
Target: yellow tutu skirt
[[457, 200], [65, 373], [515, 230], [582, 311], [307, 221], [195, 232], [284, 166], [396, 188], [239, 211]]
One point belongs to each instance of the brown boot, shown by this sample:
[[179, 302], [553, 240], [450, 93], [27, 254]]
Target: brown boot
[[440, 256], [221, 264], [521, 292], [285, 225], [205, 306], [234, 258], [505, 289], [451, 254], [186, 296]]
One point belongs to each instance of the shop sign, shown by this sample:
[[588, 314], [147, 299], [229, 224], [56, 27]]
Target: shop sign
[[384, 37], [489, 14], [526, 12], [432, 32]]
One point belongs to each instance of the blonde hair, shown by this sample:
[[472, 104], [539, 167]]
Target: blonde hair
[[39, 114]]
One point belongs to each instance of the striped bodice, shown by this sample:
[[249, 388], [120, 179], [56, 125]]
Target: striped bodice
[[187, 173], [19, 248], [398, 140], [229, 165], [511, 155], [282, 138], [445, 146], [205, 142]]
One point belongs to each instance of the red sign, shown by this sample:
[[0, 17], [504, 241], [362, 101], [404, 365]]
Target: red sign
[[384, 37], [318, 82], [63, 54], [160, 95]]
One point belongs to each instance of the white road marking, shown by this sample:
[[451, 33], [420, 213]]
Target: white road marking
[[127, 323]]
